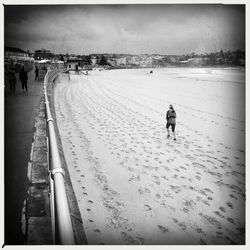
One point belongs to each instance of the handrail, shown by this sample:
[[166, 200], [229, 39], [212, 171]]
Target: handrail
[[62, 225]]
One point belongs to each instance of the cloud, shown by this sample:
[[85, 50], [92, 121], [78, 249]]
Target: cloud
[[125, 28]]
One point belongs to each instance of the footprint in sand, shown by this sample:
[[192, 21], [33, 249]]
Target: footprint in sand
[[205, 202], [147, 190], [231, 242], [198, 177], [164, 177], [231, 220], [158, 196], [147, 207], [230, 204], [212, 220], [208, 190], [222, 209], [219, 235], [200, 231], [163, 229], [182, 225], [232, 196], [219, 214], [175, 176]]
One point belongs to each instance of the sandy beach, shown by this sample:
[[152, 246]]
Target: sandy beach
[[132, 183]]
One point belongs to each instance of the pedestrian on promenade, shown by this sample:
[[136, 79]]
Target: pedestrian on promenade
[[36, 72], [12, 78], [171, 120], [23, 76]]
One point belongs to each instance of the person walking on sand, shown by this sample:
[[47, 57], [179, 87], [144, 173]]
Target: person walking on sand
[[12, 79], [36, 72], [23, 76], [171, 120]]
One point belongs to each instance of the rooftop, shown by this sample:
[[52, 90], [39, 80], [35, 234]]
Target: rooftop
[[12, 49]]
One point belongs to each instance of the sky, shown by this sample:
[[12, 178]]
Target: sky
[[134, 29]]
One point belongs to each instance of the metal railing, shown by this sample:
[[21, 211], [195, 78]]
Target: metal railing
[[62, 229]]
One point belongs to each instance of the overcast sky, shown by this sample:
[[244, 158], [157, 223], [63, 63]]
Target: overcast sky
[[135, 29]]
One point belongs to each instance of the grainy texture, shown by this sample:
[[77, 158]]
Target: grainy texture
[[136, 186]]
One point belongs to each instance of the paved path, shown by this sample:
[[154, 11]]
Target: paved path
[[20, 110]]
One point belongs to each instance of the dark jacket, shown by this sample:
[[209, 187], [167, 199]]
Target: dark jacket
[[171, 116], [23, 76], [11, 75]]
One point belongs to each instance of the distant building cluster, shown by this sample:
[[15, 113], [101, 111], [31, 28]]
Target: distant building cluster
[[229, 58], [43, 54], [17, 57]]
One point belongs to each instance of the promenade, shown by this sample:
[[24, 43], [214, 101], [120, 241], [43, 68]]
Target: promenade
[[19, 112]]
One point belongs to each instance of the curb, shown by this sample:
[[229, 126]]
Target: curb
[[36, 220]]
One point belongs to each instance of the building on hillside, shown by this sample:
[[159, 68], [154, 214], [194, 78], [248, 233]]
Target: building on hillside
[[184, 62], [157, 57], [112, 62], [94, 60], [122, 61], [172, 59], [133, 60], [145, 60], [197, 61]]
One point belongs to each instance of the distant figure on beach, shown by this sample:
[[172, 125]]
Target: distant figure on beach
[[151, 72], [171, 120], [36, 72], [23, 76], [12, 78]]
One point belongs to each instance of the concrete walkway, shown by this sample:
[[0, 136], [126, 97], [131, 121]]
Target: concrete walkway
[[20, 110]]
